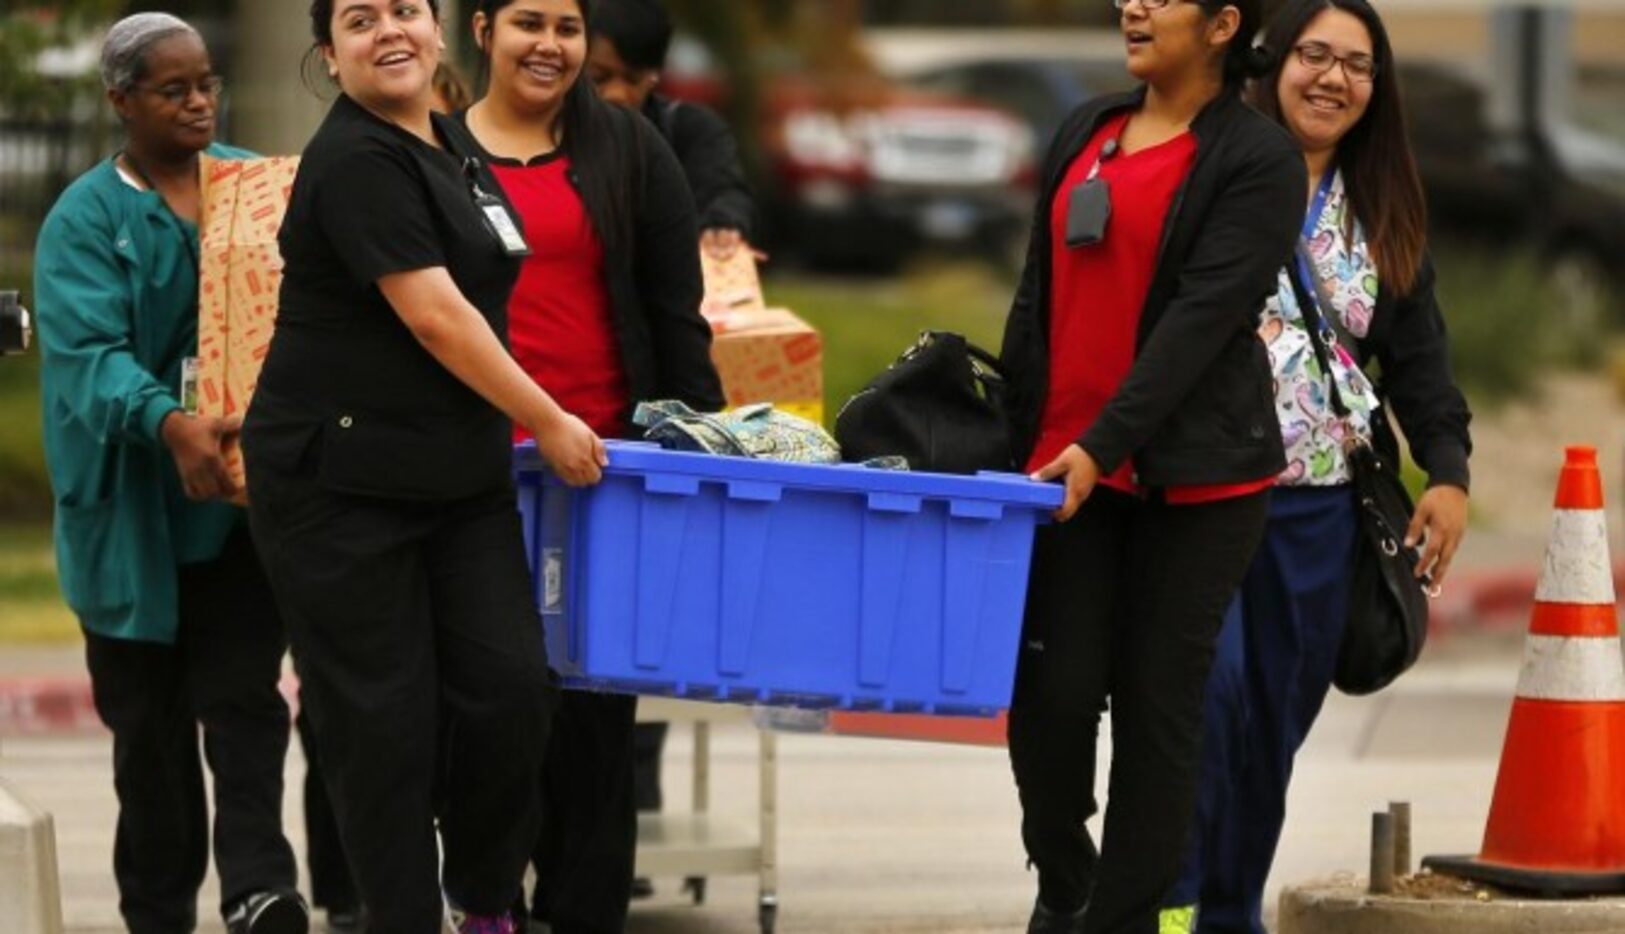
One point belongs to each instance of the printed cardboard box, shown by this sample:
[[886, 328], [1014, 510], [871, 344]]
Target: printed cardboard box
[[770, 355], [243, 205]]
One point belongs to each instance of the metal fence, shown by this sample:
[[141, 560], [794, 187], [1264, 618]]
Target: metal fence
[[38, 159]]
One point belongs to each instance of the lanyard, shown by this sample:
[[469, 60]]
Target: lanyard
[[191, 248], [1311, 222], [1106, 152]]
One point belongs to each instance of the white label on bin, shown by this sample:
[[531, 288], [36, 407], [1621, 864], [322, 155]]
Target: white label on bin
[[552, 581]]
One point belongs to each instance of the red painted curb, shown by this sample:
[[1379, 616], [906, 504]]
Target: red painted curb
[[1495, 598], [59, 705]]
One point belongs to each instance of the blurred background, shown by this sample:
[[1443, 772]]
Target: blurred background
[[893, 144]]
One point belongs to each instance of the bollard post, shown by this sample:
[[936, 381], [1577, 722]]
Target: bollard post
[[1382, 853], [1401, 811]]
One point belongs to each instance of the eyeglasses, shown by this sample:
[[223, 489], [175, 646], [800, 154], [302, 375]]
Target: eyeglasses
[[176, 93], [1150, 6], [1319, 58]]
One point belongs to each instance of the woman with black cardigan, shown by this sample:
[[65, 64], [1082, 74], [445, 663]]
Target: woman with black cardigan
[[605, 315], [1365, 261], [1138, 379]]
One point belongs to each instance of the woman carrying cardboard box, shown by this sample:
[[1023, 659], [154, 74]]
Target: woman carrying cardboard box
[[180, 629]]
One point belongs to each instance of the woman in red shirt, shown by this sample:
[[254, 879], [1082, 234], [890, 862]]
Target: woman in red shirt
[[605, 315], [1137, 378]]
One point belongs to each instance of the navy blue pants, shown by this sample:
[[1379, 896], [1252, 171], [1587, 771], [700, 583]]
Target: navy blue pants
[[1276, 654]]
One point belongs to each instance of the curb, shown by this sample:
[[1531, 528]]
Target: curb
[[63, 705], [1492, 600]]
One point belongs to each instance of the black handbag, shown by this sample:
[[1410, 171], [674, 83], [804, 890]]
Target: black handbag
[[940, 406], [1388, 607]]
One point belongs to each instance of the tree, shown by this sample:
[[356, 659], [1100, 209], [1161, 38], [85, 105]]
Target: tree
[[27, 32]]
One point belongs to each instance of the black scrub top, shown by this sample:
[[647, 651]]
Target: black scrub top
[[345, 382]]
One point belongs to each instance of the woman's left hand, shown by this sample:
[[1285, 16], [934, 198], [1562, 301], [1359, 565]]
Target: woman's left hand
[[721, 243], [1078, 471], [1442, 514]]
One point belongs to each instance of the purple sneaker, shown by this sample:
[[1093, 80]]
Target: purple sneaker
[[483, 924]]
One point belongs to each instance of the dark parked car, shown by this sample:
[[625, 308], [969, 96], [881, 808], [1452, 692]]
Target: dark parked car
[[861, 168]]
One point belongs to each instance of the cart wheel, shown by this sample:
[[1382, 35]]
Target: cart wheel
[[694, 887], [767, 914]]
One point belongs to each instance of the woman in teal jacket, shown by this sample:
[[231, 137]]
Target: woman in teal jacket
[[179, 624]]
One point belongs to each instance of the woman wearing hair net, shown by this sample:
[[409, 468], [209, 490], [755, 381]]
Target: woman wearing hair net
[[180, 628]]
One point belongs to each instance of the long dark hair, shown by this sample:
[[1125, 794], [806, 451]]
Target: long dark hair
[[604, 165], [1242, 60], [1375, 157]]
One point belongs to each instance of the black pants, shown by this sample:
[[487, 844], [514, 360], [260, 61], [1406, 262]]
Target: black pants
[[222, 672], [588, 845], [648, 747], [422, 667], [1124, 604], [332, 887]]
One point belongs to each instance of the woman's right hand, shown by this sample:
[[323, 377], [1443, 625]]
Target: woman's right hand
[[197, 444], [576, 454]]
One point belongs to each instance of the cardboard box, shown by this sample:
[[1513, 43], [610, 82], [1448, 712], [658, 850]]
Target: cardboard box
[[770, 355], [243, 205]]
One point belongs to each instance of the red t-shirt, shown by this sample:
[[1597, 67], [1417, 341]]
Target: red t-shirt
[[559, 318], [1097, 293]]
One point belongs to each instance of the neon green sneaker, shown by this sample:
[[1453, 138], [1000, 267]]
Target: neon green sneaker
[[1177, 920]]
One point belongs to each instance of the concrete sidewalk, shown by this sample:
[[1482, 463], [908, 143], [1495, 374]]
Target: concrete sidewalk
[[892, 836]]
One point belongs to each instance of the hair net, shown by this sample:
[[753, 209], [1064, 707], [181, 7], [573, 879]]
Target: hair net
[[124, 54]]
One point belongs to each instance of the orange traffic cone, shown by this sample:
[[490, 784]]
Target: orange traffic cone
[[1557, 822]]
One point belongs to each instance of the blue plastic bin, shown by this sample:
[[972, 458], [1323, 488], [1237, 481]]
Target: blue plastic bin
[[760, 582]]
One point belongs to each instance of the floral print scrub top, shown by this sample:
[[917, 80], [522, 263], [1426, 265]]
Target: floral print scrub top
[[1310, 428]]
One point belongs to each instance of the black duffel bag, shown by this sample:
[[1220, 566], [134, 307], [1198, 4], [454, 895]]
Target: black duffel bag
[[940, 407]]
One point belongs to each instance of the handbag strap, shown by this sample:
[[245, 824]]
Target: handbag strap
[[1309, 306]]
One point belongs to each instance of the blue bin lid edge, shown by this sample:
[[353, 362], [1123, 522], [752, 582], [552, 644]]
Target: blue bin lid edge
[[643, 457]]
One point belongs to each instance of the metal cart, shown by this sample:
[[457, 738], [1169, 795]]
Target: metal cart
[[699, 844]]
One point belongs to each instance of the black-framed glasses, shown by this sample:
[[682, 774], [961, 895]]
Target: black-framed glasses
[[1319, 57], [1146, 5], [177, 92]]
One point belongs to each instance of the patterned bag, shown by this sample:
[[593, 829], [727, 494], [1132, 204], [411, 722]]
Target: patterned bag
[[758, 431]]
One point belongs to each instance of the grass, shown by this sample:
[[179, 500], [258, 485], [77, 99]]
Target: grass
[[31, 607], [867, 323]]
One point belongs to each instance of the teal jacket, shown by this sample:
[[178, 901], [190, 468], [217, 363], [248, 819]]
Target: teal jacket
[[116, 283]]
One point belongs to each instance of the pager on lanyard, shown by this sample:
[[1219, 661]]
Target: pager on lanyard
[[499, 222]]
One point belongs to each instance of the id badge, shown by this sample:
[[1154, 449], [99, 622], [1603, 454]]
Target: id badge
[[188, 387], [1088, 212], [501, 225]]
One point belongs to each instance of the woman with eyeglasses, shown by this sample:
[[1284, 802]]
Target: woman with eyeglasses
[[1137, 379], [379, 455], [1364, 258], [179, 625]]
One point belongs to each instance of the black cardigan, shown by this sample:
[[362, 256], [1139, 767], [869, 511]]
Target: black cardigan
[[1407, 338], [709, 156], [1198, 406], [655, 285]]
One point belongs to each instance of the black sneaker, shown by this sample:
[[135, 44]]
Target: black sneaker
[[279, 911], [1045, 921]]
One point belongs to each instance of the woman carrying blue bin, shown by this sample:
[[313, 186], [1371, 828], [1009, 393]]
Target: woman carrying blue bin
[[379, 456], [1335, 89], [1138, 379], [605, 315]]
